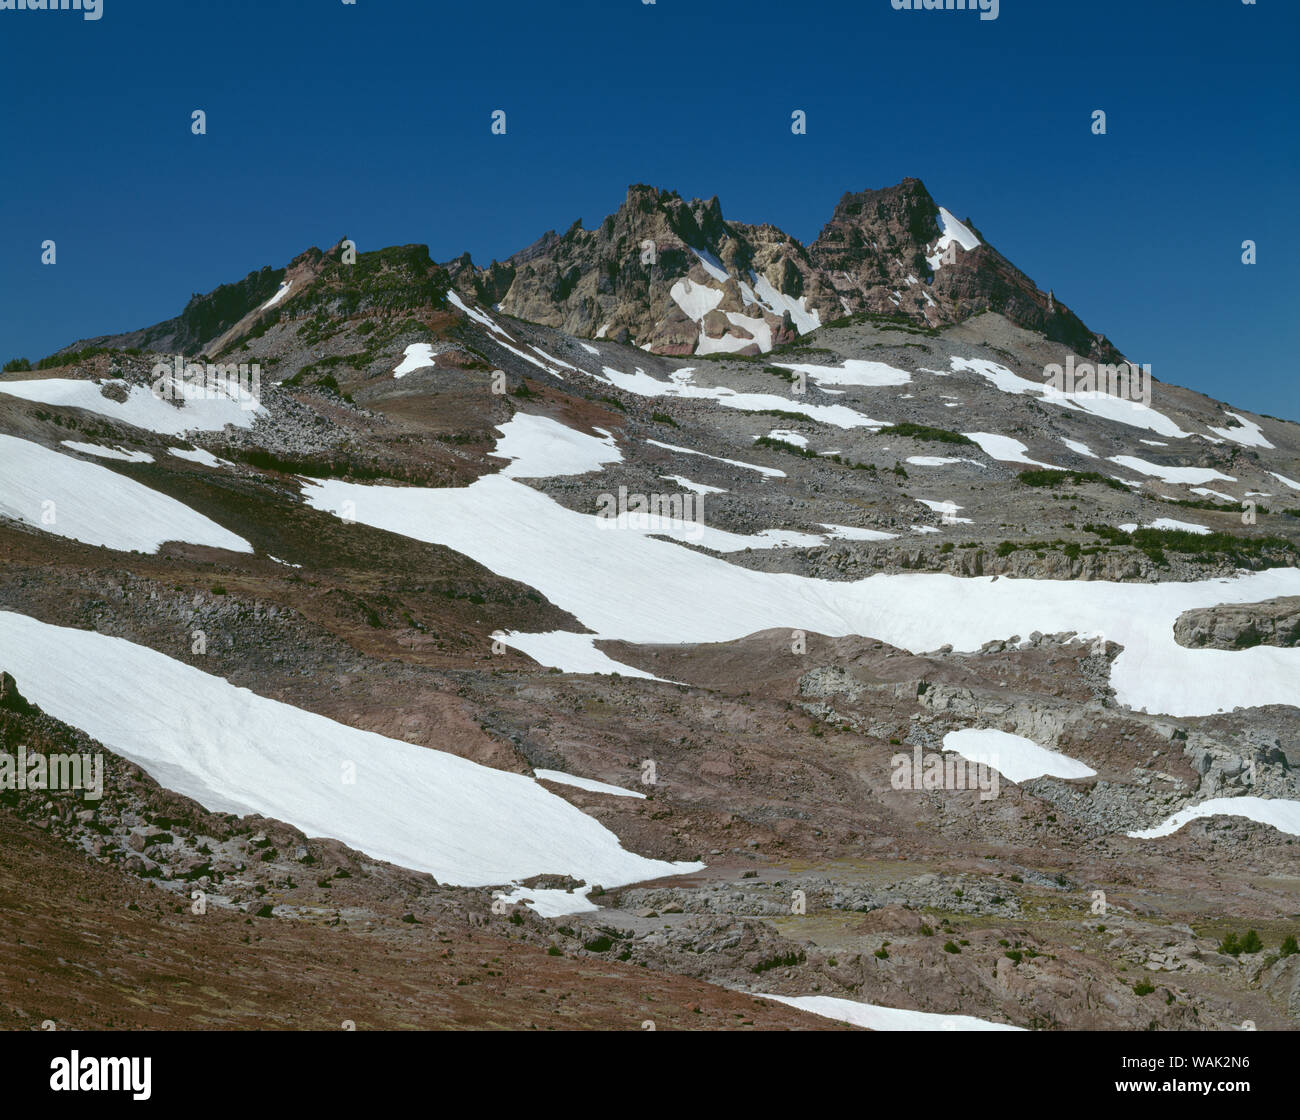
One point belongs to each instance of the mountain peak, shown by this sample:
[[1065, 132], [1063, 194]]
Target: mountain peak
[[678, 278]]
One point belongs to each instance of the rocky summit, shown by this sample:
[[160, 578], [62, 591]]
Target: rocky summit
[[844, 634], [676, 278]]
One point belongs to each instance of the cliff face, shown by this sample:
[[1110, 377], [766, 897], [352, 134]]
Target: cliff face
[[677, 278]]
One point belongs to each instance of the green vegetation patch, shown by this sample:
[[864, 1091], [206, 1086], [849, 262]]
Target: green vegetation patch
[[1206, 547], [1059, 478], [920, 431]]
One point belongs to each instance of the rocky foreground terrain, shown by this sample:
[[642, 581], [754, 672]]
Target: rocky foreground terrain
[[882, 533]]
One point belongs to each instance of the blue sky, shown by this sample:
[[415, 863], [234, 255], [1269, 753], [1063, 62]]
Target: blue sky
[[372, 121]]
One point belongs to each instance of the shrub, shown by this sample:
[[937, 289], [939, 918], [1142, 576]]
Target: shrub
[[782, 445], [1056, 478], [1199, 546], [71, 357], [920, 431], [781, 960], [781, 414]]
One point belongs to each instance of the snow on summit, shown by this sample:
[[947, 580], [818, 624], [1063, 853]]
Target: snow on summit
[[953, 231]]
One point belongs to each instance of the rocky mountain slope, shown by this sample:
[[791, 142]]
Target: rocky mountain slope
[[857, 544], [675, 277]]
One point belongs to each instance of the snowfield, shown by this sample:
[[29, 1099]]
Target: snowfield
[[544, 448], [765, 294], [107, 452], [785, 435], [642, 589], [1080, 448], [877, 1018], [1005, 449], [1165, 473], [706, 536], [695, 487], [1013, 756], [200, 411], [695, 300], [280, 293], [234, 751], [682, 385], [852, 533], [70, 497], [1133, 413], [952, 230], [418, 355], [939, 461], [574, 653], [1206, 492], [1247, 432], [852, 372], [474, 313], [766, 472], [198, 455], [1282, 814], [591, 784], [1169, 523], [948, 509]]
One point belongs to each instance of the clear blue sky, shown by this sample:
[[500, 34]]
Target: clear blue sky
[[372, 121]]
